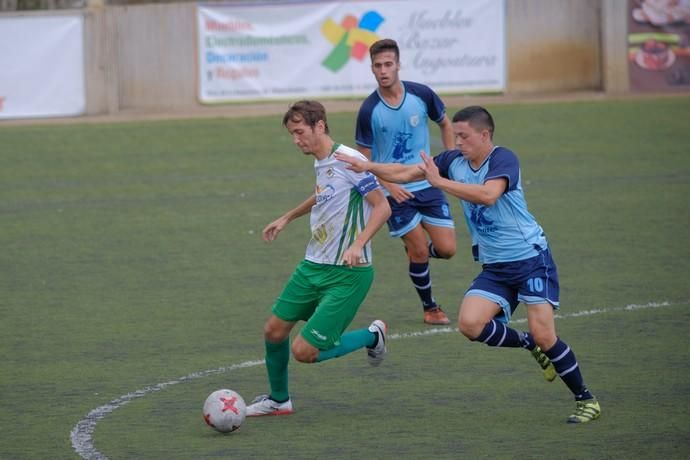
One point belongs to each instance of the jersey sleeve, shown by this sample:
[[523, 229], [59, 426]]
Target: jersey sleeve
[[435, 107], [363, 182], [504, 163], [367, 183], [443, 161]]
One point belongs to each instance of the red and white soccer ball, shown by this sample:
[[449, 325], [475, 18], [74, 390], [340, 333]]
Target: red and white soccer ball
[[224, 410]]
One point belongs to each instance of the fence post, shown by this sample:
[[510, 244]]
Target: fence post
[[614, 47]]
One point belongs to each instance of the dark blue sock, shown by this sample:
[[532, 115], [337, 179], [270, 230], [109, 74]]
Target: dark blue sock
[[421, 279], [566, 365], [528, 341], [497, 334]]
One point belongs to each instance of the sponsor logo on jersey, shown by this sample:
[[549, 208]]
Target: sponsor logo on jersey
[[320, 234], [323, 194]]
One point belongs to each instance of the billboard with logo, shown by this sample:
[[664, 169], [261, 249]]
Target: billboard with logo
[[321, 49]]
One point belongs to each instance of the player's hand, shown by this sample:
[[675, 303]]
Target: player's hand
[[430, 169], [353, 255], [397, 192], [271, 231], [355, 164]]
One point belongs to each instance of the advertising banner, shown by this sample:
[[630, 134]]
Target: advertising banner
[[659, 45], [41, 66], [300, 50]]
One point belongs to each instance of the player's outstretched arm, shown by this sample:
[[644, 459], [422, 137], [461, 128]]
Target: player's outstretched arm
[[392, 172], [485, 194], [270, 232], [396, 191]]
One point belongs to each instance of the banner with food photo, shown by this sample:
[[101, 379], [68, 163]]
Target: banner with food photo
[[659, 45]]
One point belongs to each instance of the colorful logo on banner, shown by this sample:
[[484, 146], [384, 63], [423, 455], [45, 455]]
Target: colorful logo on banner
[[350, 38]]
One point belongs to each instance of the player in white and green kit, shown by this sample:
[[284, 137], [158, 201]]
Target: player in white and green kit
[[329, 285]]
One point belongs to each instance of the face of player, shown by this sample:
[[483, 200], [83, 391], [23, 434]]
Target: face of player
[[385, 67], [308, 139], [474, 144]]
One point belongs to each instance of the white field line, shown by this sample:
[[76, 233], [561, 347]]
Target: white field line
[[81, 434]]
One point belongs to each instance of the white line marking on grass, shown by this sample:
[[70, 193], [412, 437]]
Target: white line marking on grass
[[577, 314], [82, 433], [82, 441]]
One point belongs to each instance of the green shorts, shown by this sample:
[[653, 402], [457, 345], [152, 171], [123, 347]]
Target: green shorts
[[327, 297]]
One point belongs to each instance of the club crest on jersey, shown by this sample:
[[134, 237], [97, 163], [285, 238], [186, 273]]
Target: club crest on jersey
[[414, 121], [330, 172], [482, 223]]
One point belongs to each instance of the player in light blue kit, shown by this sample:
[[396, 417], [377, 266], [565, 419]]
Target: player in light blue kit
[[507, 240], [392, 127]]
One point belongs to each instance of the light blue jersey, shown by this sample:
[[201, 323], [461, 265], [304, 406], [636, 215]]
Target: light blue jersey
[[398, 134], [506, 231]]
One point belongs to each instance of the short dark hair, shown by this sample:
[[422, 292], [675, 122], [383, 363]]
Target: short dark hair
[[311, 112], [478, 117], [381, 46]]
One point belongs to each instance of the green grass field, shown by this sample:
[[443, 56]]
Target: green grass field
[[133, 282]]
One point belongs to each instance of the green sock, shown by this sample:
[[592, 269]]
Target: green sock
[[349, 342], [277, 358]]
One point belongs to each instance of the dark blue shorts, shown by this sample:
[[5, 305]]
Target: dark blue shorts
[[530, 281], [428, 205]]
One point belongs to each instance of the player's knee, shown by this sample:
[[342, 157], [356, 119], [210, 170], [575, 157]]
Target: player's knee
[[303, 357], [469, 329], [417, 253], [272, 334], [445, 251], [304, 354], [544, 339]]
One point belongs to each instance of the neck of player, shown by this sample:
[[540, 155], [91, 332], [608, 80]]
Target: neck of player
[[392, 94], [477, 162], [325, 148]]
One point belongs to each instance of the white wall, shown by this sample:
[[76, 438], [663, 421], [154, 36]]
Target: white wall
[[144, 56]]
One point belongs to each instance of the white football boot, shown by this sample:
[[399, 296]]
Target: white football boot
[[376, 354]]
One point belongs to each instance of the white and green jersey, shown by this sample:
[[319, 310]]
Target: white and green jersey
[[340, 212]]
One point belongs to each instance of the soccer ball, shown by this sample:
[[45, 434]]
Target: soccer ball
[[224, 410]]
